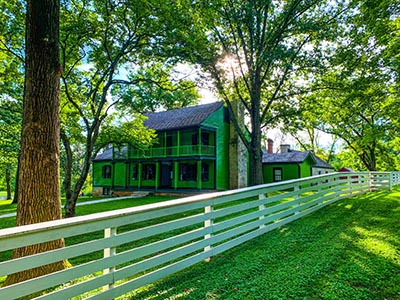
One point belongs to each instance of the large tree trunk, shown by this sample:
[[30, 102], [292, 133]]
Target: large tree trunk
[[39, 188]]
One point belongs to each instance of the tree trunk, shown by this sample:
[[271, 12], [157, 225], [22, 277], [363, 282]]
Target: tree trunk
[[15, 199], [8, 183], [70, 203], [39, 188], [255, 161], [68, 165]]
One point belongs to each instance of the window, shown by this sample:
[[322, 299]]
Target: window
[[106, 191], [205, 172], [106, 171], [149, 172], [135, 172], [277, 174], [188, 172], [205, 138]]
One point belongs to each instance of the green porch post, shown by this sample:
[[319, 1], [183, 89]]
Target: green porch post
[[199, 143], [165, 144], [199, 179], [157, 183], [178, 137], [128, 171], [140, 170], [176, 174]]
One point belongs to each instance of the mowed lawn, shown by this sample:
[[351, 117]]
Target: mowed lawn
[[348, 250]]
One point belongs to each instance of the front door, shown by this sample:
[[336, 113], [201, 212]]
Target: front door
[[166, 175]]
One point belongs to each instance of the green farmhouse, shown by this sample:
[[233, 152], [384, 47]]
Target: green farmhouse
[[291, 164], [196, 149]]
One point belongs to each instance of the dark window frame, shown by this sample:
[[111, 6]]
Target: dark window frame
[[277, 177], [106, 171], [188, 171], [149, 172]]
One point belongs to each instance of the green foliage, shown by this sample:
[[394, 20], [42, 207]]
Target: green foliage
[[161, 89], [354, 96], [257, 53], [132, 133]]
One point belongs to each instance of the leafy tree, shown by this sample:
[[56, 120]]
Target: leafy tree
[[254, 51], [358, 102], [102, 43], [158, 91], [11, 87], [10, 122], [39, 192]]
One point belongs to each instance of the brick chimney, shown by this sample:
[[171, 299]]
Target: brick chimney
[[285, 148], [270, 148]]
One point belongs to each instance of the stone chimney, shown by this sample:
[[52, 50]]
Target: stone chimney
[[285, 148], [270, 148], [237, 152]]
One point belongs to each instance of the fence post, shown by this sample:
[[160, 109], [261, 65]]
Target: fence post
[[261, 208], [208, 223], [296, 196], [109, 232]]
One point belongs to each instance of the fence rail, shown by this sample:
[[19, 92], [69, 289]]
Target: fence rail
[[129, 248]]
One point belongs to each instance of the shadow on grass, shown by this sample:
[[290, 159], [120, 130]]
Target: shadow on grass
[[348, 250]]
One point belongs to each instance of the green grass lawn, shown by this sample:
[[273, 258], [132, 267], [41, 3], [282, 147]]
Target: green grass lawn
[[348, 250]]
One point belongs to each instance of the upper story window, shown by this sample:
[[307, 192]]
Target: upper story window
[[205, 138], [106, 171]]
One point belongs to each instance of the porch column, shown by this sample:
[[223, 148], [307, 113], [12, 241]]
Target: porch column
[[127, 169], [140, 170], [199, 142], [165, 144], [157, 183], [176, 174], [178, 142], [199, 179]]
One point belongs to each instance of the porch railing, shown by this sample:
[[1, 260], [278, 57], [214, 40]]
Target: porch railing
[[140, 245], [187, 150]]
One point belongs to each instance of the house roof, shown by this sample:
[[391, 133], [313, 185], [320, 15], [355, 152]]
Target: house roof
[[288, 157], [105, 155], [321, 163], [181, 118], [293, 156]]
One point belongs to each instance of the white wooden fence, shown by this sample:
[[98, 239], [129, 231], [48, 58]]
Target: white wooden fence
[[129, 248]]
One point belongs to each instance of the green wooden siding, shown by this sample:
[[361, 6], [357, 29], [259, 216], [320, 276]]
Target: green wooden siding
[[289, 170], [217, 120], [120, 174], [98, 179], [198, 157]]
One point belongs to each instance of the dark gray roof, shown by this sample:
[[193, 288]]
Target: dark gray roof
[[288, 157], [181, 118], [321, 163], [105, 155], [294, 156]]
